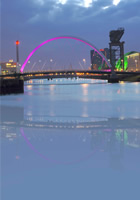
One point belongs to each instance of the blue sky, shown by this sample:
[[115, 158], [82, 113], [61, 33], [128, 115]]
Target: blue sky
[[34, 21]]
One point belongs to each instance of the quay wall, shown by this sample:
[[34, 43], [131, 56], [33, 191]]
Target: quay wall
[[11, 86]]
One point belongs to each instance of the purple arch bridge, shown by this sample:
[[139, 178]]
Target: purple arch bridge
[[66, 37]]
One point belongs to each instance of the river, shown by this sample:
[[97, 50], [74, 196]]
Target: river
[[71, 139]]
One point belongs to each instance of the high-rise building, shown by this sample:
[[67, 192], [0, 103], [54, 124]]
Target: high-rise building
[[97, 62]]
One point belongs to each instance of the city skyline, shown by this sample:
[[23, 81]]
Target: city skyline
[[40, 20]]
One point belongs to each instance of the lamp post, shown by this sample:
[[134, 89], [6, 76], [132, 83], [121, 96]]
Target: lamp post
[[84, 61], [17, 53], [136, 62], [51, 60]]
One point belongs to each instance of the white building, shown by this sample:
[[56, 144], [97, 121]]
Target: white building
[[133, 61]]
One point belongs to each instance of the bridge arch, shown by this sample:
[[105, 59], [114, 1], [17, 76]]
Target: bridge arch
[[65, 37]]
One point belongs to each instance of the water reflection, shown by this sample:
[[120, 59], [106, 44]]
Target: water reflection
[[55, 139], [110, 136], [52, 89]]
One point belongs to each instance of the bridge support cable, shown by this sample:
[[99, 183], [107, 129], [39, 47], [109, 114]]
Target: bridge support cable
[[33, 66], [81, 65], [43, 65], [73, 50]]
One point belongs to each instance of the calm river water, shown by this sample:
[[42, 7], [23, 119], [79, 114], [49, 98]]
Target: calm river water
[[71, 140]]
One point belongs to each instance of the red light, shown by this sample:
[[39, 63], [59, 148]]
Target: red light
[[17, 42], [101, 49]]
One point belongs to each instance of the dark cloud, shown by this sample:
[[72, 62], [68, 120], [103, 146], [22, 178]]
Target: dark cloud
[[33, 21]]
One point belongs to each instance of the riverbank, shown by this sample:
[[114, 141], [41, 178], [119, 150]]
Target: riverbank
[[11, 86]]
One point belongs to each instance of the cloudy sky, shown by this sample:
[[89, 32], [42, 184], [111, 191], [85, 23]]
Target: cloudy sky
[[34, 21]]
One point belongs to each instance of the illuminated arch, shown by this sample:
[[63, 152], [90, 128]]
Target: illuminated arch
[[65, 37]]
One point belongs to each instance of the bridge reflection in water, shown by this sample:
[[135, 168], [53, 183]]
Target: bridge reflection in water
[[73, 140]]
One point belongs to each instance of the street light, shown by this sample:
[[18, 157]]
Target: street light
[[84, 60], [51, 60]]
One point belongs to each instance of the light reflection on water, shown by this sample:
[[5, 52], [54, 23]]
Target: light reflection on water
[[79, 129]]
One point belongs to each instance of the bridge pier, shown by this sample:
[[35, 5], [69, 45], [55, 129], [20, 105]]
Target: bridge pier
[[113, 78]]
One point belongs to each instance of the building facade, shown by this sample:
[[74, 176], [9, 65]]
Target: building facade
[[8, 67], [97, 62], [131, 62]]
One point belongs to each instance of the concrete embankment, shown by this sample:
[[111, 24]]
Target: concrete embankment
[[11, 86]]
